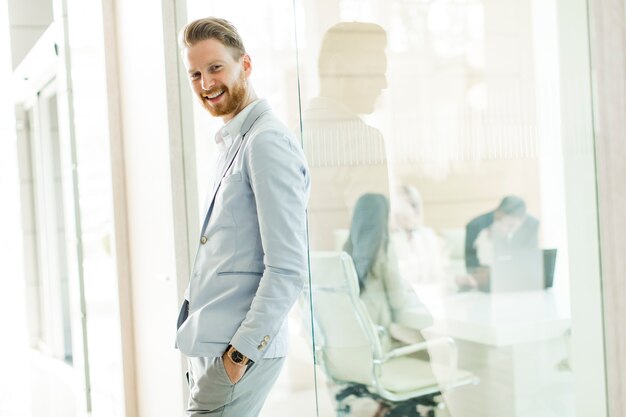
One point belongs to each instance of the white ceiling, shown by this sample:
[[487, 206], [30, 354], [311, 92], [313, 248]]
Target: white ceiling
[[28, 19]]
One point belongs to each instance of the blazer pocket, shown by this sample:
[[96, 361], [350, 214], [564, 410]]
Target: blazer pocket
[[257, 274], [236, 177]]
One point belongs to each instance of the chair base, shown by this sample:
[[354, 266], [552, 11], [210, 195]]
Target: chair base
[[406, 408]]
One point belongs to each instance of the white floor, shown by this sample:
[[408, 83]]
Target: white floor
[[14, 374]]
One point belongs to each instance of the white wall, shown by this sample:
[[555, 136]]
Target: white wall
[[150, 240]]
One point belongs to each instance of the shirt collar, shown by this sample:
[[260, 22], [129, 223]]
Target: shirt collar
[[232, 129]]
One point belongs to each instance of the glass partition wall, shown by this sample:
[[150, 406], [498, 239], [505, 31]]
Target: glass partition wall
[[452, 220], [451, 162]]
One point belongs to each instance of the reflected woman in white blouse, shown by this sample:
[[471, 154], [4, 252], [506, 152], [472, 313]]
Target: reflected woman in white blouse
[[421, 252]]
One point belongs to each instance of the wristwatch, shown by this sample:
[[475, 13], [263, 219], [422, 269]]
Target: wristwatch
[[236, 356]]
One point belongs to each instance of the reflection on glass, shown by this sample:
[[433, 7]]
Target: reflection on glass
[[368, 323], [445, 118], [346, 156], [349, 197], [390, 302], [443, 108], [422, 255], [501, 250]]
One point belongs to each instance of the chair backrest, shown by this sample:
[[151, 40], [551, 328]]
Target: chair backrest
[[345, 336]]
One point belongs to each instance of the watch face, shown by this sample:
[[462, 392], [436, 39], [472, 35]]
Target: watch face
[[236, 356]]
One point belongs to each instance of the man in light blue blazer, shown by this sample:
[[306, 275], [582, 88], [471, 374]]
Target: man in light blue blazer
[[251, 261]]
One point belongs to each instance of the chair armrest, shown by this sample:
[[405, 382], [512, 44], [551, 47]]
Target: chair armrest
[[382, 332], [417, 347], [403, 351], [447, 342]]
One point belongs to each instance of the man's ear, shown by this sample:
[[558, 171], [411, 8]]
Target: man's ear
[[246, 61]]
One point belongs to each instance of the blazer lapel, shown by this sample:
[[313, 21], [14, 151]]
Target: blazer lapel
[[258, 110]]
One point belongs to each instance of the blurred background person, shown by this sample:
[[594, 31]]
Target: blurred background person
[[422, 255], [507, 229], [389, 299]]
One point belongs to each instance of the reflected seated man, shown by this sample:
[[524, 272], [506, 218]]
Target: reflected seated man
[[506, 239]]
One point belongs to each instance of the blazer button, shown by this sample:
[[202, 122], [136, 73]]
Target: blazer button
[[266, 338], [203, 239]]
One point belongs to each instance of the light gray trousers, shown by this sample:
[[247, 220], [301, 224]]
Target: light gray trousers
[[212, 394]]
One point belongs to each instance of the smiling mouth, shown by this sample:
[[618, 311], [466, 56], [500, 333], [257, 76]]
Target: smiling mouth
[[214, 96]]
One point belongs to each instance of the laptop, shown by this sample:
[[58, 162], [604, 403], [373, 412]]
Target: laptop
[[523, 270]]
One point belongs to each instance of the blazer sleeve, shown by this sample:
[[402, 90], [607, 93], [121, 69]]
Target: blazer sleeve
[[280, 182]]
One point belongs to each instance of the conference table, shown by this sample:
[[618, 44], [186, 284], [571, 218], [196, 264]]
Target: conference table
[[516, 343]]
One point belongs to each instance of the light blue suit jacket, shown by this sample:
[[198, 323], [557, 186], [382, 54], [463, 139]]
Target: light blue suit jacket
[[251, 262]]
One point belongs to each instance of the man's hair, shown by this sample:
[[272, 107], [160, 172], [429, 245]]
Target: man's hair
[[213, 28], [512, 206]]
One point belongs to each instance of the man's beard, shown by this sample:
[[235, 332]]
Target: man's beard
[[233, 100]]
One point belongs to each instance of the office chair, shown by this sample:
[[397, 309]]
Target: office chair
[[348, 348]]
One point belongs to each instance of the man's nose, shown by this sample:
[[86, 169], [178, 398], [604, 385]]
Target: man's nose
[[207, 83]]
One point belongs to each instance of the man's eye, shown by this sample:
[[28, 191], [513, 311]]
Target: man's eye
[[194, 76], [214, 68]]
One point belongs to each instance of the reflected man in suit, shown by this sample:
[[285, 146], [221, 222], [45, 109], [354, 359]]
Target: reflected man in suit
[[251, 260], [347, 157]]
